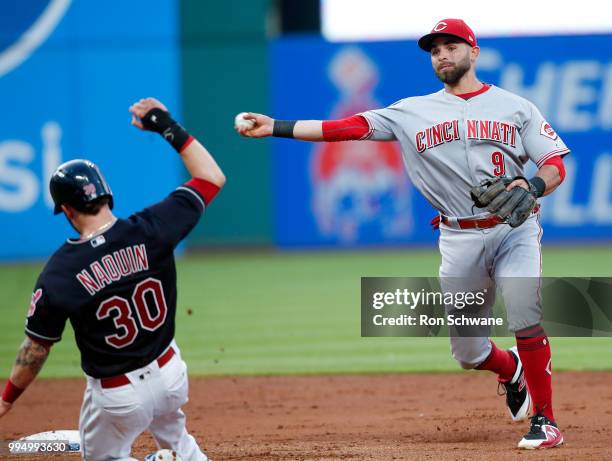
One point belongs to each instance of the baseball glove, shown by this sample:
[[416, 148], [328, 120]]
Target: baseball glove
[[513, 206]]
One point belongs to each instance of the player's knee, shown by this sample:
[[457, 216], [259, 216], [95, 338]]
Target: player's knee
[[467, 365], [468, 358]]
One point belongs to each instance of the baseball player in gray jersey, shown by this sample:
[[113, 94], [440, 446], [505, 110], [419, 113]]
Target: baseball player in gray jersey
[[465, 148]]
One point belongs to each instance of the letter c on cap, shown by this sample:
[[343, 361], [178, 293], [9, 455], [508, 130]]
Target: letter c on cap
[[440, 26]]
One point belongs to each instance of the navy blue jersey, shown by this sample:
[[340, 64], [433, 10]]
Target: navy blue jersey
[[118, 289]]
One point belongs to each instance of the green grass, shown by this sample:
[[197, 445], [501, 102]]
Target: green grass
[[280, 313]]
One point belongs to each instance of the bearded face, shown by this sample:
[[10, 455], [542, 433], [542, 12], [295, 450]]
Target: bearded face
[[451, 74], [450, 61]]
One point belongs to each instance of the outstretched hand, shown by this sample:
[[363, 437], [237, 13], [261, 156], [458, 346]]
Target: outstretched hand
[[140, 108], [263, 126]]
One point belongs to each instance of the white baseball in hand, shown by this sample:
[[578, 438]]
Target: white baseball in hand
[[243, 124]]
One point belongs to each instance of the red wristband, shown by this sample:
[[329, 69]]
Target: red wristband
[[185, 145], [11, 392]]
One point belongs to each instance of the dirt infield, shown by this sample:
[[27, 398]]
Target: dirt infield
[[377, 417]]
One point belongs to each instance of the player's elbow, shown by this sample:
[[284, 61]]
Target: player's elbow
[[214, 176], [553, 172], [218, 179]]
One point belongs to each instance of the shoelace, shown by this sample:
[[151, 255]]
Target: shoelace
[[536, 424], [502, 389], [501, 386]]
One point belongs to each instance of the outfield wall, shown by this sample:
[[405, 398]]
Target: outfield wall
[[68, 72], [226, 71]]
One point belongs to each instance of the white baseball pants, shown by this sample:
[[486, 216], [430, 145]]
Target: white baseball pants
[[500, 257], [111, 419]]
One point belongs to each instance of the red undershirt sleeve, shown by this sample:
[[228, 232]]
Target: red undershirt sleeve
[[205, 188], [347, 129], [558, 162]]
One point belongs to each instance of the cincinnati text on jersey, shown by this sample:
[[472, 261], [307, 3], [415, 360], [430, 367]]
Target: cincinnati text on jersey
[[112, 267], [489, 130]]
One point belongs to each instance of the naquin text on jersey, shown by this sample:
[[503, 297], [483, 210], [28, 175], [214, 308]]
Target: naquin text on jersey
[[112, 267], [488, 130]]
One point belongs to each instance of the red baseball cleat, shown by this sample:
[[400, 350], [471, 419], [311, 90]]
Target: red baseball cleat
[[518, 399], [544, 433]]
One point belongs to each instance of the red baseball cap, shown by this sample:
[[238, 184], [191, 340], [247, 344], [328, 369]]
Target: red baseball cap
[[453, 27]]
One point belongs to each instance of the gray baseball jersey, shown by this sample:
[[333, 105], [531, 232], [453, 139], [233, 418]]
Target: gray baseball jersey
[[450, 143]]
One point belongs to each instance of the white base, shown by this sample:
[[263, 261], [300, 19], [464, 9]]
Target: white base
[[72, 436]]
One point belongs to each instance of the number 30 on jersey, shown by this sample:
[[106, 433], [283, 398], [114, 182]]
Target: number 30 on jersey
[[127, 327]]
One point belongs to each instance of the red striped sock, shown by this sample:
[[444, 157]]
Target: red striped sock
[[535, 355], [499, 361]]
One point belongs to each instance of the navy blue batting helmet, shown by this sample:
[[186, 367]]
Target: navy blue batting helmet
[[78, 183]]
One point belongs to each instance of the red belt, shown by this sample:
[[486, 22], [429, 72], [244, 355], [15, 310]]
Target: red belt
[[469, 223], [122, 380], [473, 223]]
